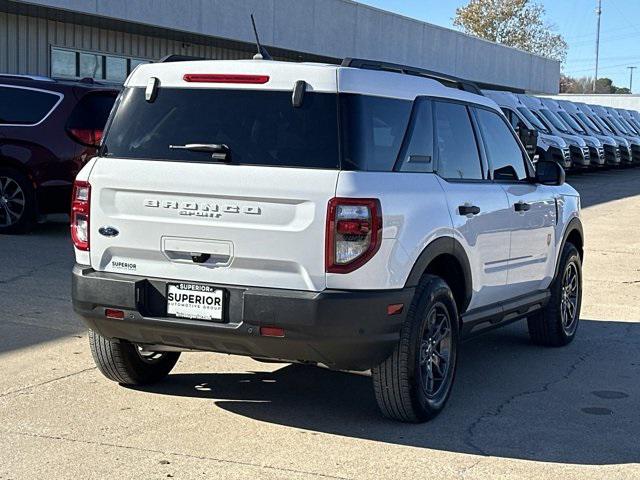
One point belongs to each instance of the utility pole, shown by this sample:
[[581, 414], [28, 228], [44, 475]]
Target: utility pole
[[598, 15], [631, 69]]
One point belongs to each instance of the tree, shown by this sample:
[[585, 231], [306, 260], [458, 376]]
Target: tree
[[516, 23], [585, 85]]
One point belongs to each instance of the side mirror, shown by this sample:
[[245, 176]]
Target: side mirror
[[549, 172], [528, 137]]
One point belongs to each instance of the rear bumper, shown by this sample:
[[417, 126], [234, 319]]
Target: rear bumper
[[341, 329]]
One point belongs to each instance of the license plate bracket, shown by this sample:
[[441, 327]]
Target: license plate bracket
[[196, 301]]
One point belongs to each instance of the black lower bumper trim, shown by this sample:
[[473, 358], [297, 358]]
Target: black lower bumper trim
[[341, 329]]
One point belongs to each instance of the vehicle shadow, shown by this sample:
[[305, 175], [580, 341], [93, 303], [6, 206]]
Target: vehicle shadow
[[576, 405], [603, 186]]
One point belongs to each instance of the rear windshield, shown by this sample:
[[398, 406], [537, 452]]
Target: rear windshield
[[259, 127], [92, 111]]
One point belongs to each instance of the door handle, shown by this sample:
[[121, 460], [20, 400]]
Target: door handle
[[465, 210], [522, 207]]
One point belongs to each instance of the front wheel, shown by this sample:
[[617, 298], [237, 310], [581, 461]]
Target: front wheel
[[127, 363], [414, 383], [557, 323]]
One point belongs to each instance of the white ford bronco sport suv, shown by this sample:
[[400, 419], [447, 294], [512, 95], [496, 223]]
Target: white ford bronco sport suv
[[340, 215]]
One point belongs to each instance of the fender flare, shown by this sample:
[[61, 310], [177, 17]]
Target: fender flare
[[574, 225], [441, 246]]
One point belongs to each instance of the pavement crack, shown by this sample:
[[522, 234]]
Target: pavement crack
[[177, 454], [28, 387], [492, 413], [463, 473]]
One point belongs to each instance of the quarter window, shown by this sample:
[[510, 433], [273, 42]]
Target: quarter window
[[458, 156], [505, 156], [417, 156], [374, 128], [20, 106]]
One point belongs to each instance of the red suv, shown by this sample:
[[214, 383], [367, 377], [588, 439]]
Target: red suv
[[48, 131]]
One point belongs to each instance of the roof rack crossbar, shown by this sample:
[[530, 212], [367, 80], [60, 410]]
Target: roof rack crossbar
[[447, 80]]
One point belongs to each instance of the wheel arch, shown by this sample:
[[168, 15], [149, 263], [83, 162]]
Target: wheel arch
[[574, 234], [8, 162], [446, 258]]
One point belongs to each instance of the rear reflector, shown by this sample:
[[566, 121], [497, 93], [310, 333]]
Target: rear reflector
[[395, 309], [225, 78], [111, 313], [272, 331]]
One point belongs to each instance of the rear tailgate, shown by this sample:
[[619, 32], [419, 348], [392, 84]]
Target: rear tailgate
[[254, 217], [256, 228]]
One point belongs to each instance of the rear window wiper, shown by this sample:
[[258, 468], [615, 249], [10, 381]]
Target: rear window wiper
[[219, 151]]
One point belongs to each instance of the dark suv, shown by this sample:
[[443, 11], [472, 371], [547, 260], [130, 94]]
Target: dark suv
[[48, 131]]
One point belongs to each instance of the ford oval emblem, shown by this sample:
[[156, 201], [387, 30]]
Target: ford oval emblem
[[108, 231]]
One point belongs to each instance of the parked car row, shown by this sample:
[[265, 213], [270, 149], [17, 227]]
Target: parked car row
[[576, 135], [49, 129]]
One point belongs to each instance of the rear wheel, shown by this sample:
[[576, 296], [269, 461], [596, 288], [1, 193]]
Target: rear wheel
[[557, 323], [127, 363], [17, 202], [414, 383]]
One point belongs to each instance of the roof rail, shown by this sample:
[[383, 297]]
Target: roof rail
[[446, 80], [26, 77], [179, 58]]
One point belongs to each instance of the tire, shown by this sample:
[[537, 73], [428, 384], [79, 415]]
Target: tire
[[122, 361], [557, 323], [401, 383], [17, 202]]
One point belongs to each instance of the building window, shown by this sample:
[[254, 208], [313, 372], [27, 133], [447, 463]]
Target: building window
[[66, 63], [63, 63], [90, 65], [116, 69]]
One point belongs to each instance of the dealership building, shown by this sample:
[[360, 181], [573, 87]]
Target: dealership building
[[106, 39]]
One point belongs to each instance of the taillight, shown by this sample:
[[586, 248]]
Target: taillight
[[86, 136], [80, 210], [354, 233], [225, 78]]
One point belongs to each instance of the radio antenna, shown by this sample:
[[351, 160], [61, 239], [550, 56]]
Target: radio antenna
[[262, 52]]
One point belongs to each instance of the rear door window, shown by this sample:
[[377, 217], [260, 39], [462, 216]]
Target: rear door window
[[458, 155], [259, 127], [22, 106]]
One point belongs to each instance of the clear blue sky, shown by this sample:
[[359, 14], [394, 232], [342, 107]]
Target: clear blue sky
[[574, 19]]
